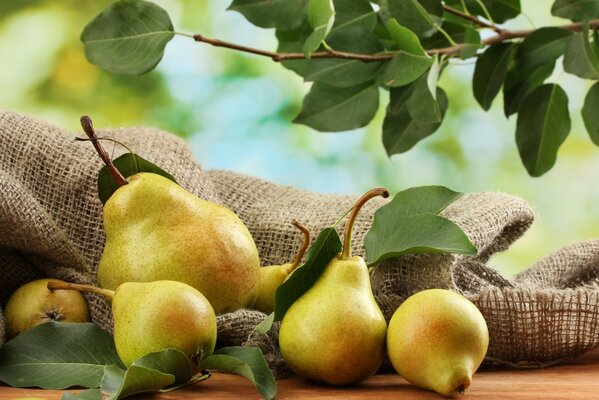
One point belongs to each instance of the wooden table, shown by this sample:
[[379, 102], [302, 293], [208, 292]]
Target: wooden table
[[577, 379]]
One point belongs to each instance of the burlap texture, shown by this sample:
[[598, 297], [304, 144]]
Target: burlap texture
[[51, 225]]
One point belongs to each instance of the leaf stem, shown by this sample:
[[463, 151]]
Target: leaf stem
[[502, 36], [380, 191], [473, 19], [88, 128], [302, 250], [82, 288]]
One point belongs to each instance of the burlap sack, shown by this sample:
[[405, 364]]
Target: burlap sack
[[51, 225]]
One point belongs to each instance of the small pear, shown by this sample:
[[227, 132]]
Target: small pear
[[154, 316], [436, 340], [272, 276], [335, 332], [33, 304], [156, 230]]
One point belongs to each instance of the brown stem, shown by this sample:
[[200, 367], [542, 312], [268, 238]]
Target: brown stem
[[88, 128], [82, 288], [473, 19], [461, 390], [502, 36], [302, 250], [352, 217]]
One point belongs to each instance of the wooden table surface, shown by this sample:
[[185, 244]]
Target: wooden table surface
[[577, 379]]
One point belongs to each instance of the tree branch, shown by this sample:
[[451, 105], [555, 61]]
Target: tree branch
[[502, 36], [473, 19]]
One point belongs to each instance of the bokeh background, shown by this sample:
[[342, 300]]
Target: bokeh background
[[235, 111]]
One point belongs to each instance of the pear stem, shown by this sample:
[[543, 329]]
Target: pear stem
[[88, 128], [302, 250], [380, 191], [461, 389], [82, 288]]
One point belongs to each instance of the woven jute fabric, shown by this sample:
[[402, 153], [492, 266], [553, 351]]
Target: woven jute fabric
[[51, 226]]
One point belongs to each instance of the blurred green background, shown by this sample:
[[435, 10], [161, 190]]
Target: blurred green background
[[235, 111]]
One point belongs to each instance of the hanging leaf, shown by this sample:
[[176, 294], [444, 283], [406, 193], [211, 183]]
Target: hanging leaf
[[590, 114], [405, 68], [354, 13], [576, 10], [422, 18], [581, 57], [292, 41], [285, 14], [489, 73], [128, 37], [422, 105], [321, 14], [57, 355], [400, 130], [406, 39], [326, 246], [499, 10], [471, 43], [330, 109], [542, 127], [248, 362], [409, 225], [344, 72], [519, 83], [543, 46], [128, 164]]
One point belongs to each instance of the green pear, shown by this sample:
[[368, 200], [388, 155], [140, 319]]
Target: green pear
[[33, 304], [154, 316], [436, 340], [335, 332], [156, 230], [272, 276]]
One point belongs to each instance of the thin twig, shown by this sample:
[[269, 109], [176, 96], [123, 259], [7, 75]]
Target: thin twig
[[473, 19], [502, 36]]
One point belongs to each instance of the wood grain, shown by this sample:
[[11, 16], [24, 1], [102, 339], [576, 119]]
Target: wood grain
[[577, 379]]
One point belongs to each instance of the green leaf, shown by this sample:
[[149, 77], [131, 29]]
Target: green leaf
[[57, 356], [405, 68], [248, 362], [542, 127], [128, 164], [354, 13], [266, 324], [471, 43], [89, 394], [326, 246], [422, 105], [421, 17], [128, 37], [519, 83], [409, 225], [489, 73], [400, 130], [150, 373], [292, 41], [500, 10], [590, 115], [582, 57], [321, 14], [406, 39], [285, 14], [330, 109], [543, 46], [576, 10], [341, 72]]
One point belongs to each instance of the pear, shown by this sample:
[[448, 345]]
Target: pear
[[156, 230], [436, 340], [335, 332], [33, 304], [154, 316], [272, 276]]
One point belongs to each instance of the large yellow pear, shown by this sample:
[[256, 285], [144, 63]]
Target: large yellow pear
[[335, 332], [156, 230], [436, 340]]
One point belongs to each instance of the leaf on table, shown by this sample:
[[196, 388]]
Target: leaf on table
[[489, 73], [128, 37], [57, 355], [285, 14], [248, 362], [326, 246], [409, 224], [590, 114], [542, 127], [330, 109], [128, 164]]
